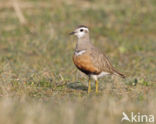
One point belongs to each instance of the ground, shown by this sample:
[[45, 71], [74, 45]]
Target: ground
[[39, 83]]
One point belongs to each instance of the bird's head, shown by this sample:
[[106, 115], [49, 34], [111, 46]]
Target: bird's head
[[81, 31]]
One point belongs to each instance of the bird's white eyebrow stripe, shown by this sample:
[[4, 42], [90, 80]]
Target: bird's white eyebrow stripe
[[78, 53], [84, 28]]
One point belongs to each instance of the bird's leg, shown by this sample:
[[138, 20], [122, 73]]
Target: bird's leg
[[89, 85], [97, 85]]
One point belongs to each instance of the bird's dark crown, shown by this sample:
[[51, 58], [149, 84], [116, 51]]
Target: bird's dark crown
[[82, 26]]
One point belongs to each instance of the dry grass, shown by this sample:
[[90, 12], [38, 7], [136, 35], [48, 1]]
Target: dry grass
[[38, 81]]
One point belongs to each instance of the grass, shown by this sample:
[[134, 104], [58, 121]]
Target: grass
[[38, 80]]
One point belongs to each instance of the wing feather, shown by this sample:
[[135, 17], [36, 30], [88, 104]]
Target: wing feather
[[101, 61]]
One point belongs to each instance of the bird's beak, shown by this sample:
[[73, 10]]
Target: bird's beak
[[72, 33]]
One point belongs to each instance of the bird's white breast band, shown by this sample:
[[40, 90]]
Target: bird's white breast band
[[78, 53]]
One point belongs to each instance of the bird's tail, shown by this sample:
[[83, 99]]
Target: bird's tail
[[119, 74]]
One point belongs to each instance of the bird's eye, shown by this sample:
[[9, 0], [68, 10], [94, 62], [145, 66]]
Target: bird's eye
[[81, 30]]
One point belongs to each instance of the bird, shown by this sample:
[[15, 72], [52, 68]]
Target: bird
[[89, 59]]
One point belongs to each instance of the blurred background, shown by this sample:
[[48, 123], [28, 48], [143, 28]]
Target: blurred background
[[38, 80]]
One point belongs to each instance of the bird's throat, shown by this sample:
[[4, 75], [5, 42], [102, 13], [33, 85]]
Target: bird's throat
[[83, 43]]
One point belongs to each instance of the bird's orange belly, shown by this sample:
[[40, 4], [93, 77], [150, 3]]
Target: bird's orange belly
[[84, 63]]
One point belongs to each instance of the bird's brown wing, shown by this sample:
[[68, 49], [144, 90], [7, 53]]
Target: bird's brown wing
[[101, 62], [85, 64]]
